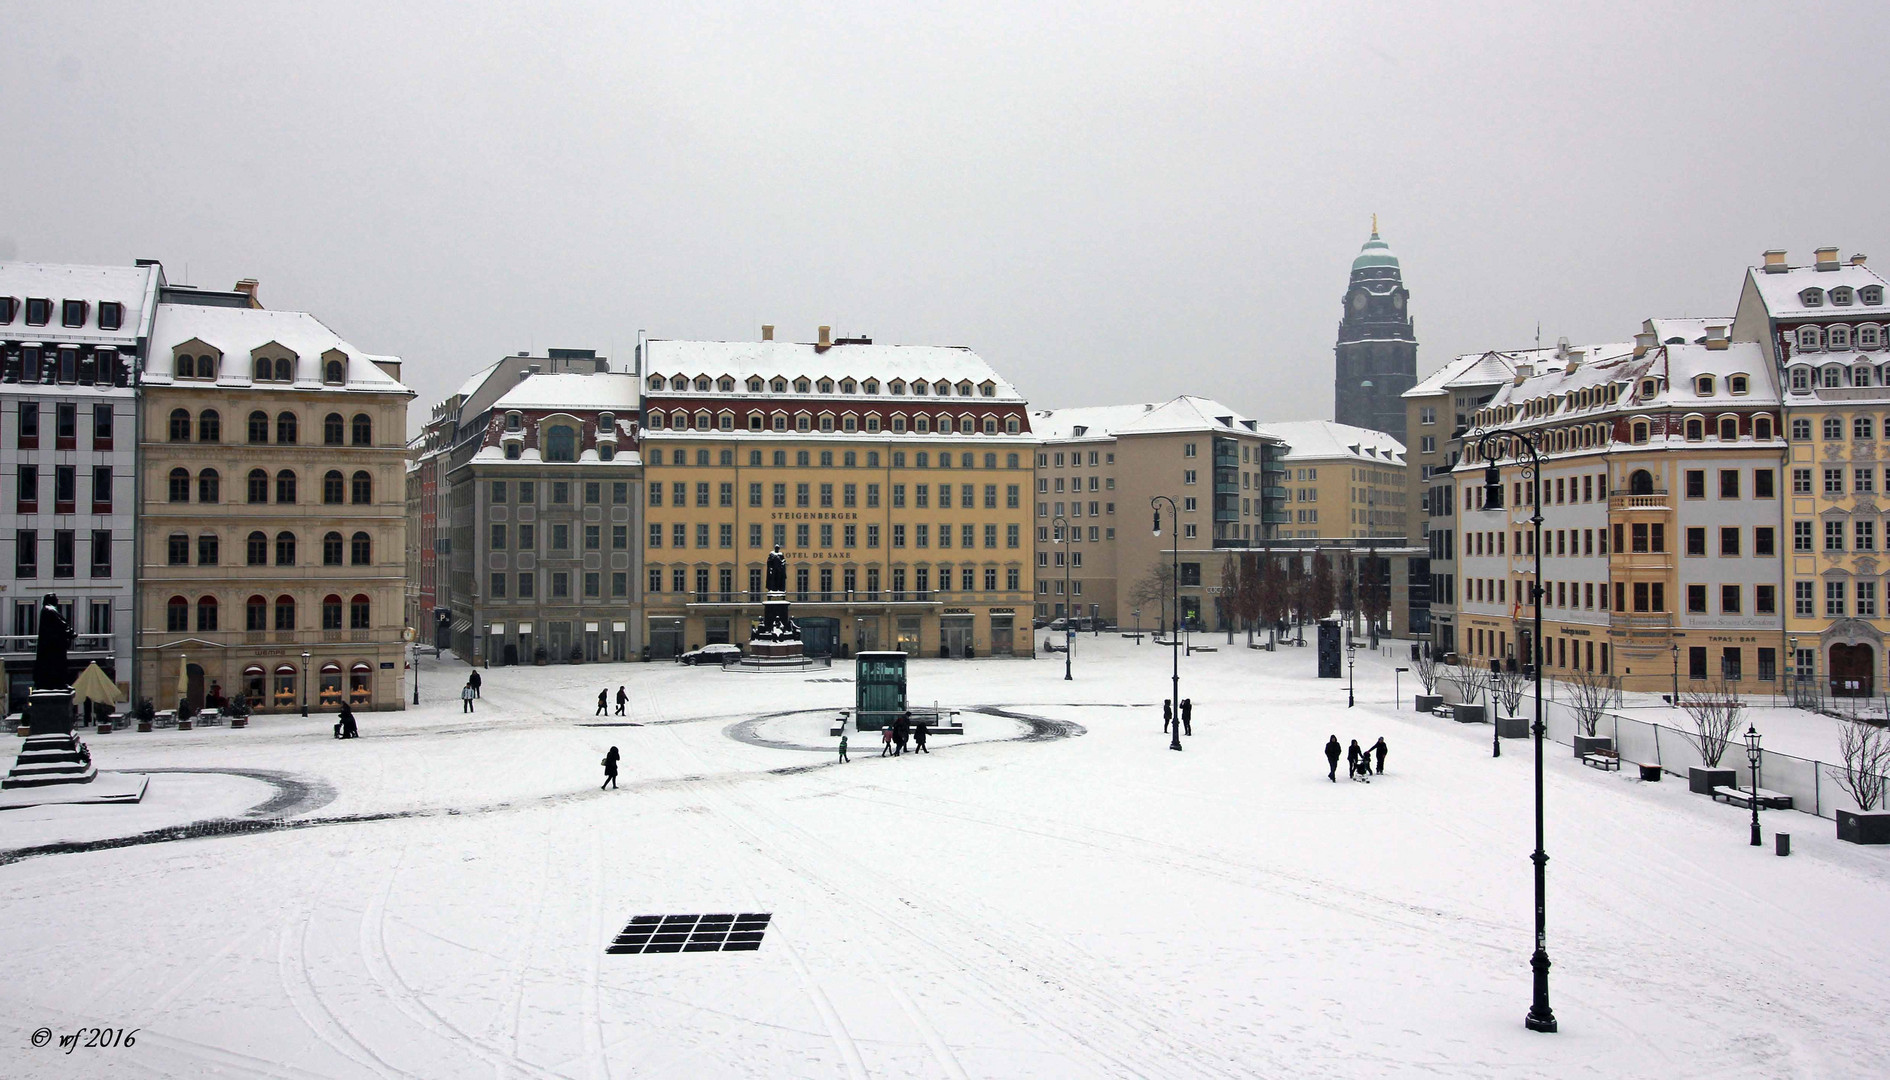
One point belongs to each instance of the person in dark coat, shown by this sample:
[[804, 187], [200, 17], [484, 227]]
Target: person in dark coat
[[1332, 759], [622, 700], [474, 683], [918, 738], [1168, 714], [610, 769], [603, 703], [843, 745], [348, 730], [902, 730], [1187, 716], [1353, 757], [1379, 749]]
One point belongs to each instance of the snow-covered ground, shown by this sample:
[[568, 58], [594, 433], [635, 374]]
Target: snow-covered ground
[[1009, 905]]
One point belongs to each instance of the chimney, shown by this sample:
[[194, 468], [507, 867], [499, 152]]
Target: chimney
[[767, 331], [248, 287], [1775, 261], [1574, 361], [1827, 258], [1716, 338], [1858, 259], [1524, 371], [826, 337], [1561, 348], [1643, 344]]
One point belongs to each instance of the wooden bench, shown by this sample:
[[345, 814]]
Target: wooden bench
[[1769, 800], [1598, 760], [1444, 712]]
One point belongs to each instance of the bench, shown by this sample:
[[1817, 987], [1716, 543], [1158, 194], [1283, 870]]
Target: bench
[[1598, 760], [1445, 712], [1768, 800]]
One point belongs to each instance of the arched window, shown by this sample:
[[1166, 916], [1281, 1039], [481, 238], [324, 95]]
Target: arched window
[[358, 613], [186, 366], [207, 613], [285, 549], [1832, 377], [259, 427], [285, 486], [334, 373], [258, 486], [177, 615], [180, 485], [180, 425], [257, 549], [1728, 429], [1641, 482], [361, 430], [209, 486], [1838, 336], [285, 612], [209, 426], [255, 614], [265, 369], [285, 429], [1703, 386], [1762, 428], [332, 491], [332, 429], [331, 612], [285, 369], [561, 443], [331, 549], [361, 487], [360, 550], [1640, 432], [1696, 430], [1808, 338]]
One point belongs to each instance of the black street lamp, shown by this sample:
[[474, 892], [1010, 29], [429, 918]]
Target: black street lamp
[[1351, 654], [1676, 674], [1752, 755], [1061, 527], [304, 682], [1174, 644], [1496, 733], [1492, 445]]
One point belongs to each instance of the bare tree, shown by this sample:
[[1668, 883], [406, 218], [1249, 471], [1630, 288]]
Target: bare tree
[[1252, 567], [1507, 682], [1374, 596], [1714, 711], [1276, 591], [1589, 695], [1154, 590], [1301, 589], [1865, 749], [1472, 680], [1427, 668], [1348, 590], [1230, 594], [1322, 590]]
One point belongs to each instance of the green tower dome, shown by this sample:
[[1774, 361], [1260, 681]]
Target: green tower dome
[[1375, 253]]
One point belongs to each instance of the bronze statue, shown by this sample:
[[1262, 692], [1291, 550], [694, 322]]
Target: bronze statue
[[50, 668], [777, 571]]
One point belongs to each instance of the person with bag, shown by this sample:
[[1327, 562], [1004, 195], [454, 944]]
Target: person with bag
[[610, 769]]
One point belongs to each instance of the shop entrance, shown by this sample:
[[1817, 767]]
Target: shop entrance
[[1852, 670], [955, 635], [819, 636], [666, 639]]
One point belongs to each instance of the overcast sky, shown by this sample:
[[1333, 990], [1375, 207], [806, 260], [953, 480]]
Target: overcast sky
[[1108, 204]]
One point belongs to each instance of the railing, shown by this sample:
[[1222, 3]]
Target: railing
[[1620, 501], [29, 643], [1642, 623], [855, 596]]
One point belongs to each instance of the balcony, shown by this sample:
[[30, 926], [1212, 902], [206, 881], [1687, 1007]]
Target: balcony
[[1226, 514], [1641, 624], [1637, 560], [1621, 500], [1226, 487]]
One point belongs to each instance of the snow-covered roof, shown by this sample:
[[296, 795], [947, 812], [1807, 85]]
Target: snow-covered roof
[[237, 332], [1675, 370], [1470, 369], [1687, 331], [1324, 440], [791, 360], [476, 380], [1784, 293], [615, 391], [132, 286], [1182, 414]]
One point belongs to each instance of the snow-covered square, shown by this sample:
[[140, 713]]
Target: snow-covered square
[[1053, 894]]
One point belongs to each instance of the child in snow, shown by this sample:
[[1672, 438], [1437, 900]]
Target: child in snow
[[843, 747]]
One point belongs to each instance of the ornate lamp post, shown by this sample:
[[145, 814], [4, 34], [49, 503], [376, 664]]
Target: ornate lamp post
[[1676, 674], [1496, 733], [413, 638], [1174, 643], [304, 682], [1752, 755], [1493, 445], [1061, 527]]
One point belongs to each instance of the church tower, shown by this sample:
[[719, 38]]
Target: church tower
[[1377, 348]]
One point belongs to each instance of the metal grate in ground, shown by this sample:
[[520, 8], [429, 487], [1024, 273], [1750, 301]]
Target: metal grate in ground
[[691, 933]]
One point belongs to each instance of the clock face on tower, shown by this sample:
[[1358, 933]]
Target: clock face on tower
[[1397, 301], [1358, 301]]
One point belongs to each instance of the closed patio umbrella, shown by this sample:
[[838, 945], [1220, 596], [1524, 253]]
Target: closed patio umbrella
[[94, 685]]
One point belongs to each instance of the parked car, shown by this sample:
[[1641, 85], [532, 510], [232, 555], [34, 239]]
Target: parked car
[[710, 654]]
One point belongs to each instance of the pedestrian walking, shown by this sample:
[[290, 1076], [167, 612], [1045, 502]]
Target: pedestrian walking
[[610, 769], [1379, 750], [1168, 714], [918, 739], [1352, 757], [843, 747], [885, 741], [1187, 716], [902, 730], [474, 682], [466, 696], [603, 703], [1332, 759], [348, 730], [622, 700]]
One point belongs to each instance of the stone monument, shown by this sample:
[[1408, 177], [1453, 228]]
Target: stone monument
[[774, 640], [52, 754]]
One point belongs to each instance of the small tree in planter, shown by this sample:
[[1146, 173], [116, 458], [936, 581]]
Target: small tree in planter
[[1589, 695], [1427, 673], [1507, 682], [1473, 681], [1865, 749], [1714, 711]]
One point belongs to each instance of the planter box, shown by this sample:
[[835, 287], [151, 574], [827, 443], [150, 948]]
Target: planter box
[[144, 725], [1467, 714], [239, 721], [1512, 727], [1703, 781], [1595, 745], [1864, 827], [1427, 702]]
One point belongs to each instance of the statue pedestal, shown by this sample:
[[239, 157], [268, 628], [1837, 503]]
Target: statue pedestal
[[49, 712], [774, 642], [52, 754]]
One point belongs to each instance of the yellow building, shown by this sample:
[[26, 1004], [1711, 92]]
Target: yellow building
[[896, 480], [1341, 481], [272, 535]]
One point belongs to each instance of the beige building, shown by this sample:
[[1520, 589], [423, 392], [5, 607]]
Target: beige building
[[272, 536], [1341, 482], [1098, 469]]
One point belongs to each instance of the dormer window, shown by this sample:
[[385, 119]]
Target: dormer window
[[920, 388], [678, 382], [514, 421], [988, 388], [1838, 337], [779, 386], [111, 315], [9, 309], [848, 386], [1841, 296], [779, 421], [607, 425], [606, 451], [1801, 378], [561, 443], [1703, 386], [726, 384], [826, 386], [196, 367], [702, 384], [964, 388], [870, 386], [1639, 436], [1737, 384], [1833, 377], [1808, 339], [656, 420], [1811, 297], [513, 450], [1870, 295], [941, 388], [1860, 375], [897, 387], [334, 373], [72, 313], [1696, 430], [38, 311], [755, 385], [725, 421], [1869, 337], [801, 386], [656, 382], [1649, 387], [872, 423], [702, 420]]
